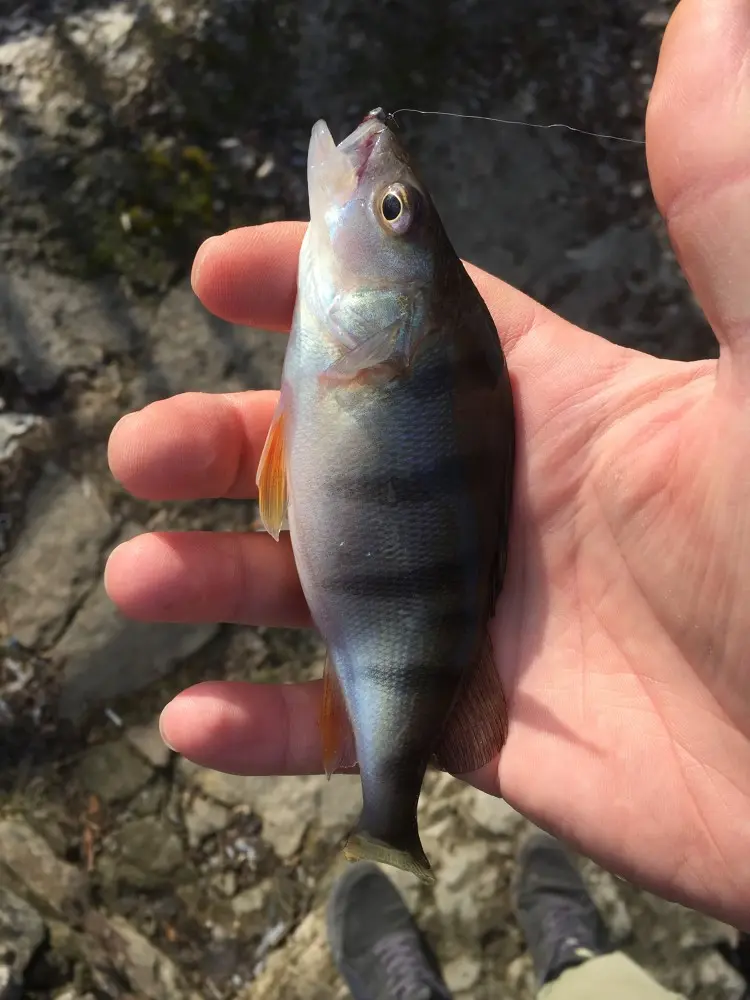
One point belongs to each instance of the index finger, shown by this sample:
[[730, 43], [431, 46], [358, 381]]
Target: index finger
[[249, 276]]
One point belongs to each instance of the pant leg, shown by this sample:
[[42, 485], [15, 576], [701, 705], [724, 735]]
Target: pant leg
[[614, 976]]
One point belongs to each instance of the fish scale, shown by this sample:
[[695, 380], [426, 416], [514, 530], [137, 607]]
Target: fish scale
[[392, 452]]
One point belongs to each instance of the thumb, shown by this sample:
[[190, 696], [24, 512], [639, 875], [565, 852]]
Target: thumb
[[698, 147]]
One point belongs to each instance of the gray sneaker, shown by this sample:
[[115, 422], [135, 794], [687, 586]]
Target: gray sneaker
[[376, 944], [560, 922]]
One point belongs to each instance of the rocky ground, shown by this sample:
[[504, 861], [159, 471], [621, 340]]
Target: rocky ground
[[127, 134]]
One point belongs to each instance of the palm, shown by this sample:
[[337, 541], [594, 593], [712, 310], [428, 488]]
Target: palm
[[619, 632], [605, 632]]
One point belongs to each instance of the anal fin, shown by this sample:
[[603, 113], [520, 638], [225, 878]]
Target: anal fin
[[273, 497], [477, 726], [339, 749]]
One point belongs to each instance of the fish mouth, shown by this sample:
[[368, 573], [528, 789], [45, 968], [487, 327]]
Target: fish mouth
[[331, 178], [334, 172], [361, 143]]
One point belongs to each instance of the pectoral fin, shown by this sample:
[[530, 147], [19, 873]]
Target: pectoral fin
[[271, 476], [378, 333], [336, 731], [379, 349], [478, 724]]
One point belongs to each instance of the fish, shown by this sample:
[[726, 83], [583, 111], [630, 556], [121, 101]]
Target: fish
[[390, 458]]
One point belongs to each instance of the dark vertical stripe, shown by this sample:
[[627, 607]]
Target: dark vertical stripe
[[448, 475], [469, 367], [397, 584], [427, 674]]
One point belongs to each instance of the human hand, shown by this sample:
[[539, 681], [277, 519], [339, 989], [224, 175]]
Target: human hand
[[623, 631]]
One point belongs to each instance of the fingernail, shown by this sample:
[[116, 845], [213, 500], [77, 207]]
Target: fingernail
[[126, 420], [161, 731], [200, 256]]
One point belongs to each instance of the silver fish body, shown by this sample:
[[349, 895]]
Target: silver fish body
[[398, 443]]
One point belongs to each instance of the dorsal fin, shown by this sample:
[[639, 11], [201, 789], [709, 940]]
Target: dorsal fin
[[477, 726]]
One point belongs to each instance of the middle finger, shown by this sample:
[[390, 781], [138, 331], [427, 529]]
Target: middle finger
[[195, 446], [204, 576]]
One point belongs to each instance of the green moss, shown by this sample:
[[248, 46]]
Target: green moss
[[199, 158], [153, 225]]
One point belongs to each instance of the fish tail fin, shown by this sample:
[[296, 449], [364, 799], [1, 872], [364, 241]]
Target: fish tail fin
[[361, 846]]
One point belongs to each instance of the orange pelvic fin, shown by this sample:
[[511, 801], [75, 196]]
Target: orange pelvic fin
[[273, 498], [339, 750]]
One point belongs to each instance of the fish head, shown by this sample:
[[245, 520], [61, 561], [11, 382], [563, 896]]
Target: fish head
[[372, 221]]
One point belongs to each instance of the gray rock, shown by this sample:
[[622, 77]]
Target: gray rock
[[54, 883], [225, 884], [462, 862], [286, 805], [113, 772], [10, 988], [149, 971], [203, 817], [466, 865], [56, 559], [51, 324], [606, 893], [494, 815], [706, 932], [252, 901], [339, 804], [520, 976], [143, 852], [194, 350], [109, 39], [462, 974], [13, 427], [108, 656], [21, 932], [147, 741], [715, 973], [150, 800], [302, 969]]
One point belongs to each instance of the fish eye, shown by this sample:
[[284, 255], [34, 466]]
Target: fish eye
[[392, 207], [396, 208]]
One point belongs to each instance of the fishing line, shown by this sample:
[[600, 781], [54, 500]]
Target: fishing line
[[505, 121]]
